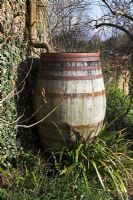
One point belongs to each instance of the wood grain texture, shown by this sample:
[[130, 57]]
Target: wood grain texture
[[81, 101]]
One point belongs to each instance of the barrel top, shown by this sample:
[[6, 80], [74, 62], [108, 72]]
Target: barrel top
[[69, 55]]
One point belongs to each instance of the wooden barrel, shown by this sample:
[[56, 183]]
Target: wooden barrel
[[72, 84]]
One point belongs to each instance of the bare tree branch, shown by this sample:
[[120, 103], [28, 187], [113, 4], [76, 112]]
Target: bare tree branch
[[111, 10], [115, 26], [118, 12]]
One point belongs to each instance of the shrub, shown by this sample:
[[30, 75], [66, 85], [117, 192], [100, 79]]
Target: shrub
[[118, 106], [128, 122]]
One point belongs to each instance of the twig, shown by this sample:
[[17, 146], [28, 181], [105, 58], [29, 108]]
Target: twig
[[23, 81], [38, 122], [10, 123], [32, 115]]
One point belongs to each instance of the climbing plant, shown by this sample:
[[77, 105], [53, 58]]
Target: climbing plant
[[12, 54]]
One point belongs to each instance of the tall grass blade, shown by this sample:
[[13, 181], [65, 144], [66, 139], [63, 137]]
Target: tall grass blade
[[61, 155], [98, 174], [77, 152], [60, 132], [83, 155], [122, 185], [84, 175], [114, 179]]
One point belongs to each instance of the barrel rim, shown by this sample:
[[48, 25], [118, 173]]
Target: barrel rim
[[69, 55]]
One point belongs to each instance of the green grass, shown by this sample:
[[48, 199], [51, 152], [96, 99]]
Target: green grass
[[98, 170], [58, 188]]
